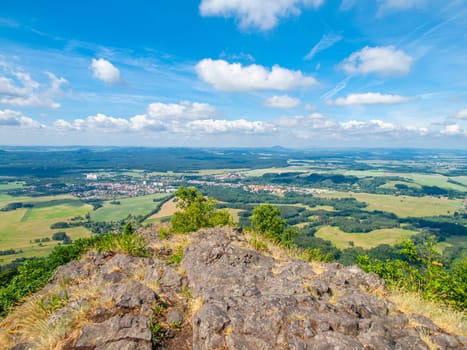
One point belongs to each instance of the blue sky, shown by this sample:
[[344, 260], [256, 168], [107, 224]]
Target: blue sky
[[295, 73]]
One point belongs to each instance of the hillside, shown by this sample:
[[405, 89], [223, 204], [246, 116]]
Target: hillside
[[211, 290]]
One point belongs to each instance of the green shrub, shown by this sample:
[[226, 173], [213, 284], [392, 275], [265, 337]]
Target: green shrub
[[423, 273]]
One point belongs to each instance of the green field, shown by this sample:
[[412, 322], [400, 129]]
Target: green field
[[452, 241], [11, 186], [402, 206], [261, 172], [435, 180], [135, 206], [392, 184], [461, 179], [368, 240], [19, 227]]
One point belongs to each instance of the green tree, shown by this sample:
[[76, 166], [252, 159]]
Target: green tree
[[266, 220], [128, 229], [196, 211]]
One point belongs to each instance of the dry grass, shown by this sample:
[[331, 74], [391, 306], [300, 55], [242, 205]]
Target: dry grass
[[450, 320], [29, 322], [195, 305], [425, 336]]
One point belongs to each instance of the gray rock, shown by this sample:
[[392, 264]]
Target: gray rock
[[170, 280], [253, 301], [130, 295], [174, 316], [128, 329]]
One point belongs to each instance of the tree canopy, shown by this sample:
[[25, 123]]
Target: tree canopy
[[196, 211]]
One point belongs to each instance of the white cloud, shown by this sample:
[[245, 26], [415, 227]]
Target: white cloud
[[18, 88], [368, 99], [105, 71], [394, 5], [325, 42], [283, 102], [236, 77], [385, 61], [452, 129], [99, 122], [261, 14], [184, 110], [374, 125], [217, 126], [159, 116], [460, 115], [347, 5], [17, 119], [305, 124]]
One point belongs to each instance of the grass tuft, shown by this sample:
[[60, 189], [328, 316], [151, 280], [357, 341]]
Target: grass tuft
[[450, 320]]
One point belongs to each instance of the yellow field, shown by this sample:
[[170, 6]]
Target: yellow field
[[402, 206], [167, 209], [368, 240]]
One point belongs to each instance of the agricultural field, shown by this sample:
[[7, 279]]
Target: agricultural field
[[261, 172], [18, 228], [368, 240], [434, 180], [453, 241], [134, 205], [392, 184], [166, 211], [461, 179], [11, 186], [402, 206]]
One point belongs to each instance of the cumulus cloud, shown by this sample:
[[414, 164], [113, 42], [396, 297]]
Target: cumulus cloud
[[100, 122], [17, 119], [385, 61], [18, 88], [460, 115], [369, 98], [374, 125], [217, 126], [261, 14], [184, 110], [283, 102], [105, 71], [325, 42], [236, 77], [453, 129]]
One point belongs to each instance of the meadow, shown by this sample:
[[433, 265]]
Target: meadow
[[368, 240], [453, 241], [141, 205], [20, 227], [402, 206]]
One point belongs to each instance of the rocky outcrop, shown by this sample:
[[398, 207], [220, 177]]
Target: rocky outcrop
[[253, 301], [225, 295]]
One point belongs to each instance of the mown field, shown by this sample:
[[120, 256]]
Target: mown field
[[368, 240], [166, 211], [402, 206], [18, 228], [135, 206]]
